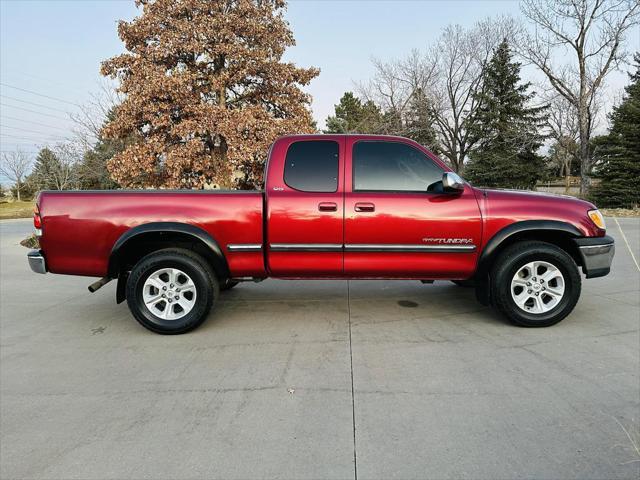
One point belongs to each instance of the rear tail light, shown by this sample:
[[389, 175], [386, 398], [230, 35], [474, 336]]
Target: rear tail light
[[37, 221]]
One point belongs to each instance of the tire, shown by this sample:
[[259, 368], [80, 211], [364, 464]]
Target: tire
[[228, 285], [177, 272], [535, 260]]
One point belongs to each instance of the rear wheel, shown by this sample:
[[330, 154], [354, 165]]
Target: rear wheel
[[535, 284], [171, 291]]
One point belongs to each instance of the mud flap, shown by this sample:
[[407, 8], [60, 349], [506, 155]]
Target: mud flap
[[121, 289], [483, 292]]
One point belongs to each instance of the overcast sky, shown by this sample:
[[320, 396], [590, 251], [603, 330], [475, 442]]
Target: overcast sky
[[50, 51]]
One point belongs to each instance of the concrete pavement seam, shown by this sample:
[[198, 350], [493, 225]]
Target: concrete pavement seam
[[624, 237], [353, 402]]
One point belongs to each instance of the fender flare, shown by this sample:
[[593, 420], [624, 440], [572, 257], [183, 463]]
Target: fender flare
[[218, 259], [507, 232]]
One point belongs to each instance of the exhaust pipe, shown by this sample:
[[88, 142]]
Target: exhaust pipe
[[99, 284]]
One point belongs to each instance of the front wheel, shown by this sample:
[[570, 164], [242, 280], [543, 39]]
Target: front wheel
[[171, 291], [535, 284]]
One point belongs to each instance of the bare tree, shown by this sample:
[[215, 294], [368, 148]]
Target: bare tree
[[589, 34], [15, 166], [458, 81], [448, 76], [460, 57], [65, 172], [390, 89], [93, 114]]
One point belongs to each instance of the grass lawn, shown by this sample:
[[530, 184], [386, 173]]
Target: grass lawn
[[16, 210]]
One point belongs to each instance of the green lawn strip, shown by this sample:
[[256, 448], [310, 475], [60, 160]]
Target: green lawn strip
[[16, 210]]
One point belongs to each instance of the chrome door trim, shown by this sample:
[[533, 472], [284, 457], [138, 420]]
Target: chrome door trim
[[306, 247], [244, 247], [368, 247]]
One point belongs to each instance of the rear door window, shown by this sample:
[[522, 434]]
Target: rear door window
[[312, 166]]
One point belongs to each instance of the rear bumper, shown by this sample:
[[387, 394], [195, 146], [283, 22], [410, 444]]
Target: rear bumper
[[37, 261], [597, 255]]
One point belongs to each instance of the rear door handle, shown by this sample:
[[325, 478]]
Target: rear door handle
[[328, 207], [365, 207]]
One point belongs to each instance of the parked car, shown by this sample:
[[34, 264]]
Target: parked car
[[333, 206]]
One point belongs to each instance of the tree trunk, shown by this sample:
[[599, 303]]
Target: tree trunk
[[585, 160], [18, 190]]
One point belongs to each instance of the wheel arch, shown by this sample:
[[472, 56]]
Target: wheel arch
[[555, 232], [143, 239]]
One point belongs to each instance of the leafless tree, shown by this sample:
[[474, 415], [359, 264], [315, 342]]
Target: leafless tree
[[576, 43], [461, 56], [565, 133], [391, 88], [459, 80], [449, 74], [65, 172], [15, 166], [93, 114]]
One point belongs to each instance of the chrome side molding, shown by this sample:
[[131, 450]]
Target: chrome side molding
[[352, 247], [306, 247], [244, 247], [366, 247], [369, 247]]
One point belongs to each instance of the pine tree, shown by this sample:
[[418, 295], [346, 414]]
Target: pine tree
[[618, 153], [93, 172], [420, 119], [508, 128], [206, 92], [42, 176], [354, 116], [57, 168]]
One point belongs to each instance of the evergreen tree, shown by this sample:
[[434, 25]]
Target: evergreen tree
[[618, 153], [93, 172], [420, 119], [505, 155], [354, 116], [42, 176]]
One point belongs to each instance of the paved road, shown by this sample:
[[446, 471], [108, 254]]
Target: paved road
[[317, 380]]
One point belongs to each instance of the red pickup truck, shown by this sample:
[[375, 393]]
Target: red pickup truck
[[334, 206]]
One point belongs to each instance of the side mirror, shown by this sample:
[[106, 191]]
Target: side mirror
[[451, 182]]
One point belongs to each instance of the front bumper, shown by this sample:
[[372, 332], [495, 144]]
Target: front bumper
[[597, 255], [37, 261]]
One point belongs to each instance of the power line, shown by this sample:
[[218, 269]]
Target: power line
[[38, 94], [30, 131], [34, 103], [18, 137], [5, 143], [33, 123], [33, 111], [19, 150], [22, 145], [28, 75]]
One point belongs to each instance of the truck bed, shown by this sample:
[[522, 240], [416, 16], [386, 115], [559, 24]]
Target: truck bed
[[80, 228]]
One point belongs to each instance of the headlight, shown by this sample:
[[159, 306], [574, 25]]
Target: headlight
[[597, 218]]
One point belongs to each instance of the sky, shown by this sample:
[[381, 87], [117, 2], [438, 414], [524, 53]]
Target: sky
[[50, 52]]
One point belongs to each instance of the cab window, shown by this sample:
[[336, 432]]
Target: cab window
[[393, 166], [312, 166]]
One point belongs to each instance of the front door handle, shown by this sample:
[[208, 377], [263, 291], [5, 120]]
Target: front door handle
[[365, 207], [328, 207]]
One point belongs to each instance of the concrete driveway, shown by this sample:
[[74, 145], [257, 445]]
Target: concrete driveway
[[328, 379]]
